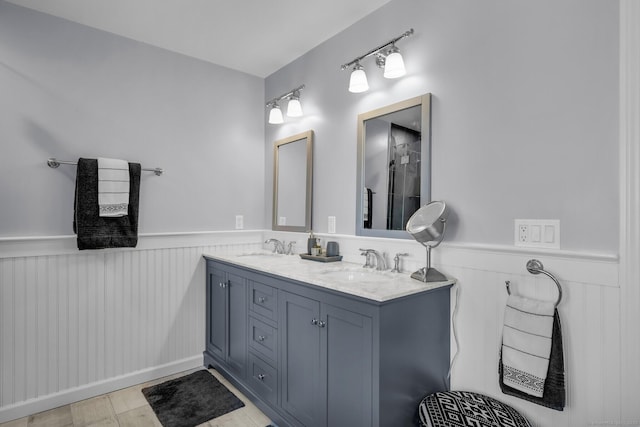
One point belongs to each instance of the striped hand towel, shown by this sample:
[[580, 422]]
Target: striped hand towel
[[526, 343], [113, 187]]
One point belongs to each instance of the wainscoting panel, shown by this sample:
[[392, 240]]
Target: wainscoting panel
[[591, 335], [79, 324]]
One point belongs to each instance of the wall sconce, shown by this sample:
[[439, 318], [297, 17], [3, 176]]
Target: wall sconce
[[294, 108], [387, 57]]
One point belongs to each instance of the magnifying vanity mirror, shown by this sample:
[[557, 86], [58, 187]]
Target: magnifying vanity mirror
[[394, 166], [292, 182]]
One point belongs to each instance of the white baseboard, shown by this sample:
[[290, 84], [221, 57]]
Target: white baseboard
[[65, 397]]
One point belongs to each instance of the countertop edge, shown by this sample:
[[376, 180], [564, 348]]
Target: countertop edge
[[306, 271]]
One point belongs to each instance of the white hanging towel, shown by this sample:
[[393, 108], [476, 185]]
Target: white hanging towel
[[526, 343], [113, 187]]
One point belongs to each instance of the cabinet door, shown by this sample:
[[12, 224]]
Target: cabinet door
[[347, 343], [217, 312], [303, 395], [236, 355]]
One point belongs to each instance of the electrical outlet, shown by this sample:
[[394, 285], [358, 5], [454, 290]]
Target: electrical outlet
[[523, 233], [537, 233], [239, 222]]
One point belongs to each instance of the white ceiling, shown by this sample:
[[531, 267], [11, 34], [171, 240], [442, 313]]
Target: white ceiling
[[254, 36]]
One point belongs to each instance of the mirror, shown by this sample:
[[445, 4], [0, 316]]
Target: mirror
[[292, 182], [394, 158]]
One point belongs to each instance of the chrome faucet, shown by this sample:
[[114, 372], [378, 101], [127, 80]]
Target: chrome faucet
[[368, 254], [290, 248], [396, 262], [278, 246], [371, 255]]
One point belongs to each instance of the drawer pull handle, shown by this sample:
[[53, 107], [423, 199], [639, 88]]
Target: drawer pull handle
[[261, 377], [262, 300], [261, 338]]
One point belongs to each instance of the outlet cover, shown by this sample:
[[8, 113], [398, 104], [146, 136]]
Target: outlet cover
[[331, 225], [239, 222], [537, 233]]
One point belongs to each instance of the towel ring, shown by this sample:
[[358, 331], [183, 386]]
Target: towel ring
[[535, 267]]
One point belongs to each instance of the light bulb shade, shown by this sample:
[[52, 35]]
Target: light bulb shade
[[294, 109], [394, 65], [275, 115], [358, 81]]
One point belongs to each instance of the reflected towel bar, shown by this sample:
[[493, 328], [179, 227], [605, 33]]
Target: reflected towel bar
[[535, 267], [54, 163]]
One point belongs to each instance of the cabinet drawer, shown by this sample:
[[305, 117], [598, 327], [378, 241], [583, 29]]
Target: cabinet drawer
[[263, 378], [263, 338], [264, 300]]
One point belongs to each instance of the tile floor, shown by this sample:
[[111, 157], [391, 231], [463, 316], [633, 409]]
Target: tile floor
[[129, 408]]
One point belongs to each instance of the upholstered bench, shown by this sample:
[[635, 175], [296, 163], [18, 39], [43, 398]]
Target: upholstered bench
[[463, 408]]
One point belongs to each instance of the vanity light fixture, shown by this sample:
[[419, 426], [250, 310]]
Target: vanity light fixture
[[294, 108], [358, 81], [387, 56], [275, 114]]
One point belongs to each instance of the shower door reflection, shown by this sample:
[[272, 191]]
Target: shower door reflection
[[404, 176]]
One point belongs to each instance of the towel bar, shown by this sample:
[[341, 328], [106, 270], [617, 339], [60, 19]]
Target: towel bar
[[535, 267], [54, 163]]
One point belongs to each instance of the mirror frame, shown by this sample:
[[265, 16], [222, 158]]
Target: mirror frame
[[308, 135], [425, 172]]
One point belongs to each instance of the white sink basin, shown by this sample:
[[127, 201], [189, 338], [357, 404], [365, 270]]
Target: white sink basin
[[357, 275], [260, 255]]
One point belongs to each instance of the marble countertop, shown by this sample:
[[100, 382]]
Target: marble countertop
[[339, 276]]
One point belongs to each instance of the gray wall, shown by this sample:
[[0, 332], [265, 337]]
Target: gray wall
[[525, 113], [68, 91]]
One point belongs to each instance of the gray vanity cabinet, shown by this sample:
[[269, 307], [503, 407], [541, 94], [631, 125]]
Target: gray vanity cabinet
[[327, 361], [317, 357], [303, 393], [226, 324]]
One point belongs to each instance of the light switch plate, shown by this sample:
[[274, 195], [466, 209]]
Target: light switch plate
[[537, 233], [331, 225]]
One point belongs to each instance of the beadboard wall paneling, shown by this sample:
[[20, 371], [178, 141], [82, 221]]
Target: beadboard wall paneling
[[80, 324], [591, 339]]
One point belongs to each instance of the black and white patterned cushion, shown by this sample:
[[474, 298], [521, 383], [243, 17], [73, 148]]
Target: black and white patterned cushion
[[463, 408]]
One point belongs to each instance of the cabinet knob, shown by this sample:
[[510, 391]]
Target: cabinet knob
[[223, 285], [261, 338], [262, 300], [314, 322], [261, 377], [322, 324]]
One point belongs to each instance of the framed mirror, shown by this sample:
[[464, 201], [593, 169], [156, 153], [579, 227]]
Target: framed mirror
[[292, 182], [394, 166]]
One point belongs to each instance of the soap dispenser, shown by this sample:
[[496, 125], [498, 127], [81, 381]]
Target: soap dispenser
[[311, 242]]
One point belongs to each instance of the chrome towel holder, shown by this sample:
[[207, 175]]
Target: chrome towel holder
[[534, 266], [54, 163]]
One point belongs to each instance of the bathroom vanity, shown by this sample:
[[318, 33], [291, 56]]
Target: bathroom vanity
[[326, 345]]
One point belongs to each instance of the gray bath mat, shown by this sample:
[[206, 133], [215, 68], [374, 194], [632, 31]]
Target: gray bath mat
[[190, 400]]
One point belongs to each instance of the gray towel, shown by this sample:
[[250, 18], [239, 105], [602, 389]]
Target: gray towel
[[94, 231], [554, 388]]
